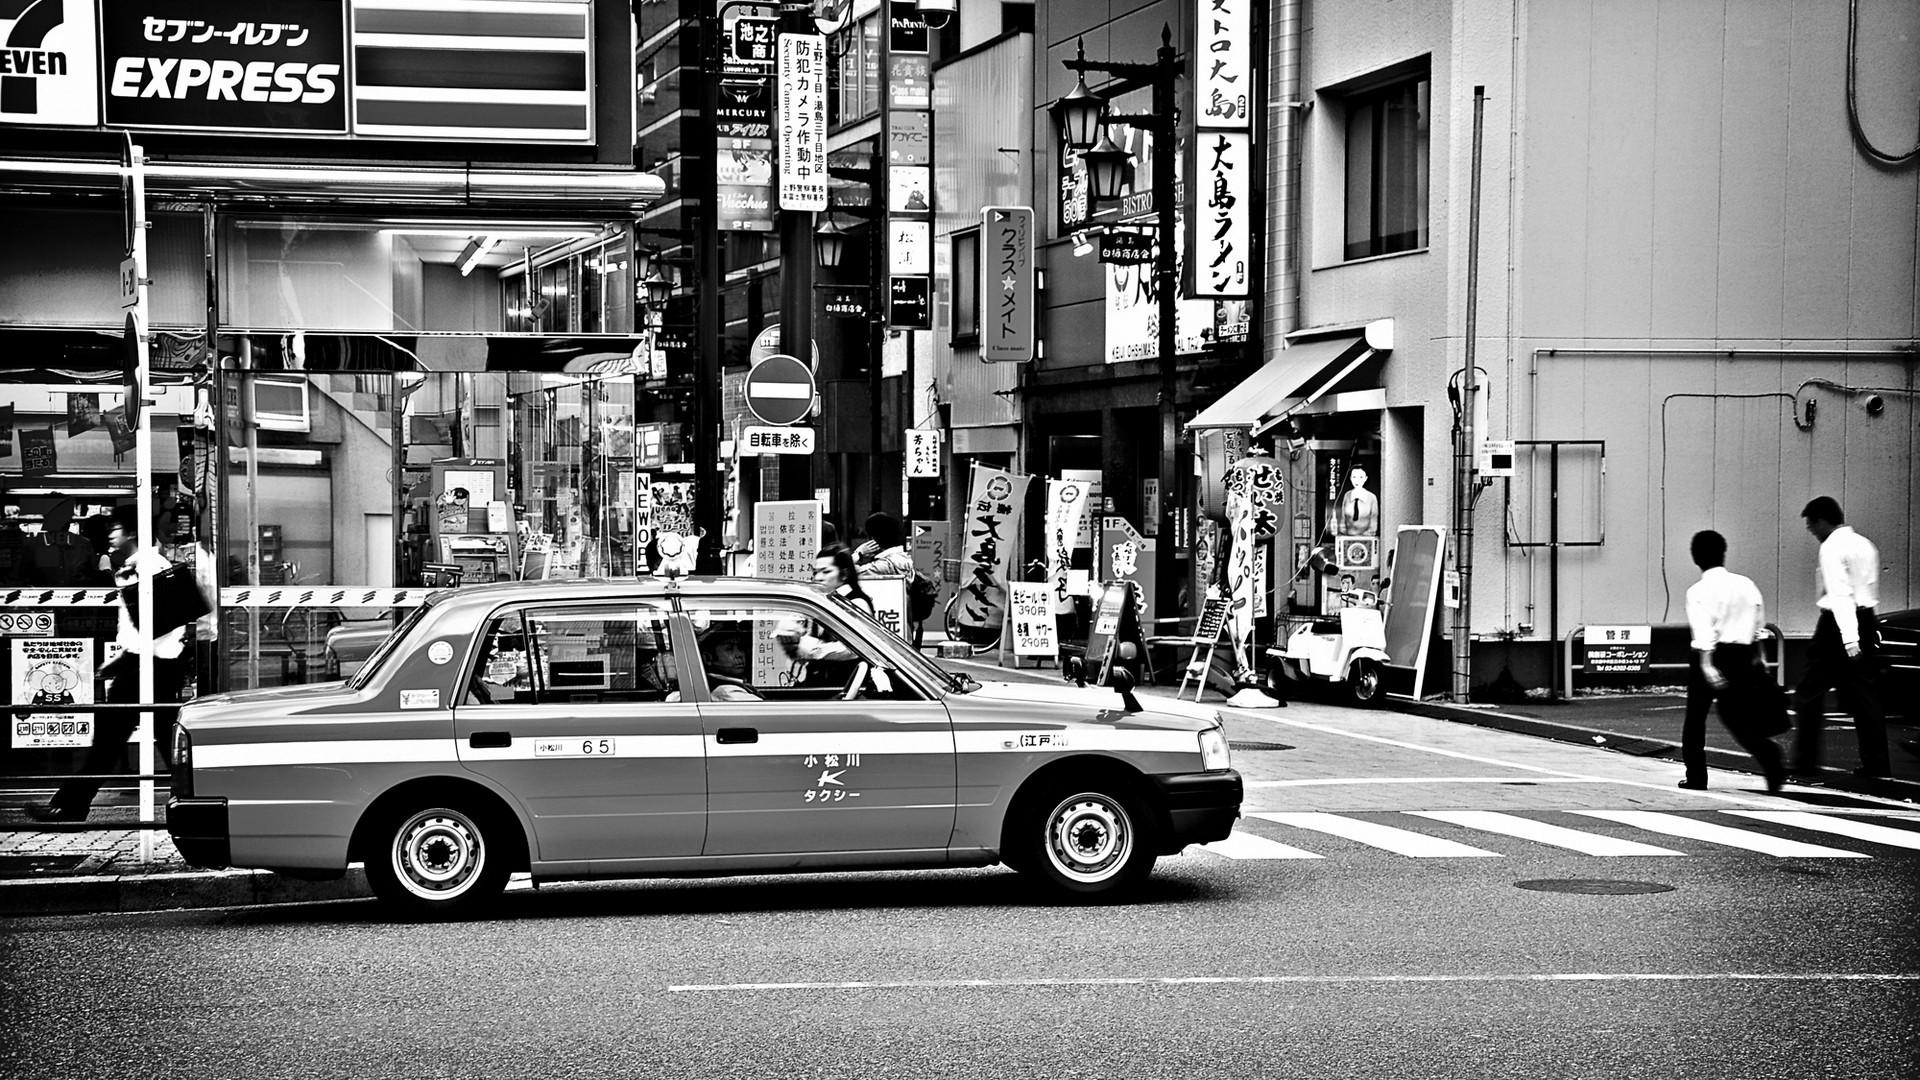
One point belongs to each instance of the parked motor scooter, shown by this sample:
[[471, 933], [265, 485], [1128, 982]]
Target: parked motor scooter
[[1347, 647]]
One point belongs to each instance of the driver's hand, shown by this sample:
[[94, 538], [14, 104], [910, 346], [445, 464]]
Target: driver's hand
[[1853, 648]]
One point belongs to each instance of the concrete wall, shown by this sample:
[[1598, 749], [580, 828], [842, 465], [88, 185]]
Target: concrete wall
[[1700, 233]]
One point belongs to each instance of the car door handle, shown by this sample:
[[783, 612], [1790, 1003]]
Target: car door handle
[[736, 735], [490, 740]]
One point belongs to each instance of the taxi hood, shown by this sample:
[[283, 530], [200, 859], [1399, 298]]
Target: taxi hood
[[275, 700], [1094, 699]]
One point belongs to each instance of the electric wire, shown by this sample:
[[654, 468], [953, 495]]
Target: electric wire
[[1666, 586], [1853, 105]]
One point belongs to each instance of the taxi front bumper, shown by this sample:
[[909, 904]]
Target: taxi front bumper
[[1200, 807], [199, 831]]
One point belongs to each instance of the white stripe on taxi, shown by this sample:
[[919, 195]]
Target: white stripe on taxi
[[341, 752], [1029, 740]]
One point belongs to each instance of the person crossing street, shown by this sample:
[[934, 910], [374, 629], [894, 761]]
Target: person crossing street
[[1846, 644], [1725, 612]]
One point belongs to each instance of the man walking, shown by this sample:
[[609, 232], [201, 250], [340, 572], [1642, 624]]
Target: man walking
[[1845, 647], [1726, 612], [112, 730]]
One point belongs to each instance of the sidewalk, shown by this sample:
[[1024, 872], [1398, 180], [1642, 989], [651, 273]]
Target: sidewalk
[[97, 867]]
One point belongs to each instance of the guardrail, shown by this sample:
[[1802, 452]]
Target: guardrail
[[11, 782], [1769, 632]]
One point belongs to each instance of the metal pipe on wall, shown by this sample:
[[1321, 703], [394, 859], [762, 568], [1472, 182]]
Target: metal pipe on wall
[[1463, 456]]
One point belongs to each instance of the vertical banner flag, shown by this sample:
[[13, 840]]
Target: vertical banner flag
[[1007, 285], [1219, 212], [994, 501], [1256, 493], [1067, 502], [802, 122], [1130, 557]]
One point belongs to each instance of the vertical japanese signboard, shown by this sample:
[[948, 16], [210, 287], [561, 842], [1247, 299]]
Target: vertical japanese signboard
[[786, 536], [803, 121], [1007, 283], [1219, 217], [994, 502], [923, 452]]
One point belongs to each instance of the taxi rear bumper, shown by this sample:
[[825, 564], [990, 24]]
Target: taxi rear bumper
[[199, 831], [1200, 807]]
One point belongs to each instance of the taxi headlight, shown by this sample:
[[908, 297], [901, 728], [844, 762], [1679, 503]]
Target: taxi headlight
[[1213, 749]]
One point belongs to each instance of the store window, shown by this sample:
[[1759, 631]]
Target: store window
[[854, 78], [966, 287], [1387, 132]]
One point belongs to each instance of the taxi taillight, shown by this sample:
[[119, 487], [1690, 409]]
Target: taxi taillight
[[182, 763]]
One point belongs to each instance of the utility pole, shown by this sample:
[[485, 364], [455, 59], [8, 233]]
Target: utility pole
[[701, 198], [1465, 483]]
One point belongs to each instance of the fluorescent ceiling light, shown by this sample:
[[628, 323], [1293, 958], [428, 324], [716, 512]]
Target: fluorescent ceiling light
[[476, 250]]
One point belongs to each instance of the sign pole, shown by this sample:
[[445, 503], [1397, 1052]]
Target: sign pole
[[143, 473]]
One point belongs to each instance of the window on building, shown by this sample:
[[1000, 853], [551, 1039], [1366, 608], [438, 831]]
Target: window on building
[[854, 92], [966, 287], [1386, 181]]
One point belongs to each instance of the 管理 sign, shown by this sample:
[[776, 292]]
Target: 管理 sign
[[225, 65]]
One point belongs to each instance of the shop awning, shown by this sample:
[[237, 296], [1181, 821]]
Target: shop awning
[[1298, 377]]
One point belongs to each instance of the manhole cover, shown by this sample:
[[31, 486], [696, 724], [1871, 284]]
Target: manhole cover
[[1593, 886], [28, 866], [1259, 746]]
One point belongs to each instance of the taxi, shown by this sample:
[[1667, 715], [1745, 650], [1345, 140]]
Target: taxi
[[607, 729]]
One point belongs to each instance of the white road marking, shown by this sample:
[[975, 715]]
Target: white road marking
[[1283, 980], [1672, 825], [1839, 826], [1541, 832], [1239, 845], [1661, 785], [1364, 780], [1400, 841]]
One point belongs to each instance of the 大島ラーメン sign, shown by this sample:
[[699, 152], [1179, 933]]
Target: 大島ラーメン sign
[[1007, 283], [1222, 222], [225, 65]]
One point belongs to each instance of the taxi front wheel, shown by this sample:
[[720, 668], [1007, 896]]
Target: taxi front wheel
[[1088, 841], [437, 861]]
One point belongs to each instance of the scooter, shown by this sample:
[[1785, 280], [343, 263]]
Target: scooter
[[1349, 647]]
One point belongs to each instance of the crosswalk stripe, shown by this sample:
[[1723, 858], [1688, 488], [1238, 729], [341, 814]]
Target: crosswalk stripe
[[1241, 845], [1839, 826], [1673, 825], [1542, 832], [1400, 841]]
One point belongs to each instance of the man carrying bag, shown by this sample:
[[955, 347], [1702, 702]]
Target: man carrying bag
[[173, 609]]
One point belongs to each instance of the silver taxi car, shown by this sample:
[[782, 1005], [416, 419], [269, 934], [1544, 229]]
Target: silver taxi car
[[601, 729]]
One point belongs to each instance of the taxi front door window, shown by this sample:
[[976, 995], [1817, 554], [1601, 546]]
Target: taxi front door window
[[753, 652]]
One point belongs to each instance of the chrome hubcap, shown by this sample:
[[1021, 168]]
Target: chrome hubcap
[[437, 854]]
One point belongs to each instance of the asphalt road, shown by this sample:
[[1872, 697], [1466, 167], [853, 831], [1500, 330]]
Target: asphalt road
[[1343, 959]]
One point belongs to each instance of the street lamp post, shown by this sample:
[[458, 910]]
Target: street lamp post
[[1083, 115]]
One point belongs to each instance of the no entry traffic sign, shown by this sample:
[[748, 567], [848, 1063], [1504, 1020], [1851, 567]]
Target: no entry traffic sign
[[780, 390]]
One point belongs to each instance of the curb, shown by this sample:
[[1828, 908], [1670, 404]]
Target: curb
[[167, 891], [1729, 760]]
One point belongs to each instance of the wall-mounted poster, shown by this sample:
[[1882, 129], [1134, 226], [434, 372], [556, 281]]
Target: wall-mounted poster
[[51, 672]]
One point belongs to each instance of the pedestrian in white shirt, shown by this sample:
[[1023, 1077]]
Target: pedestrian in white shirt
[[1844, 653], [1725, 612]]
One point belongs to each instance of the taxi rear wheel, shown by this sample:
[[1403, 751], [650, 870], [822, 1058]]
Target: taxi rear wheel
[[1088, 841], [438, 860]]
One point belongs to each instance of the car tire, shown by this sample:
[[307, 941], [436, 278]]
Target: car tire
[[1086, 840], [1365, 685], [438, 860]]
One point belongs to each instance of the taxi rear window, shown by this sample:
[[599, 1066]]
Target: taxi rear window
[[385, 650]]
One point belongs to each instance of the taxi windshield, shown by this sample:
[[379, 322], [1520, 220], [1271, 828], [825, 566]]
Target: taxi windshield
[[911, 657], [384, 651]]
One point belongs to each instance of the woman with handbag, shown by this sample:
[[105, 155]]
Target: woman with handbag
[[112, 730]]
